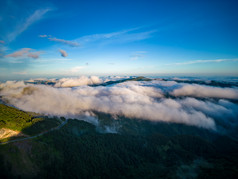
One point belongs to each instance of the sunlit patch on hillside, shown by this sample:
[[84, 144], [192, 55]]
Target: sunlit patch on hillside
[[8, 133]]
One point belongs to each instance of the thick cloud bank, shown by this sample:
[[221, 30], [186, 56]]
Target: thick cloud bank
[[167, 101], [205, 91], [83, 80]]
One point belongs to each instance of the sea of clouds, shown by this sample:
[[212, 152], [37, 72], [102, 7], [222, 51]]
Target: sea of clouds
[[209, 107]]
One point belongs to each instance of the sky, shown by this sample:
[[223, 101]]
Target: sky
[[125, 37]]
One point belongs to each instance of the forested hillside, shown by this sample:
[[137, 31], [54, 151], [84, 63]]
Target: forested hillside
[[136, 149]]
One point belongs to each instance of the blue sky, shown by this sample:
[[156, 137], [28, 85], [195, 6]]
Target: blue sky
[[126, 37]]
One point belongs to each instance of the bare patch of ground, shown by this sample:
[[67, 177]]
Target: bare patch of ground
[[6, 133]]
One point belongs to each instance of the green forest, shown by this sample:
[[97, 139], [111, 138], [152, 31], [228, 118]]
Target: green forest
[[136, 149]]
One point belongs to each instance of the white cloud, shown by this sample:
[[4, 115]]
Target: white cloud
[[19, 53], [24, 52], [195, 90], [63, 53], [226, 109], [83, 80]]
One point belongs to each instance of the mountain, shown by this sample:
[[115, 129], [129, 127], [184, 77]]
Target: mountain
[[122, 148]]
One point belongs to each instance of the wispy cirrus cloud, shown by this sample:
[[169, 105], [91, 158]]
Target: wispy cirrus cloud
[[50, 60], [124, 36], [76, 69], [43, 36], [137, 36], [20, 73], [96, 37], [36, 16], [202, 61], [137, 55], [66, 42]]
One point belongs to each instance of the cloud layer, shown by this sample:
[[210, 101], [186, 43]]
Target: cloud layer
[[206, 92], [141, 100], [72, 82]]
